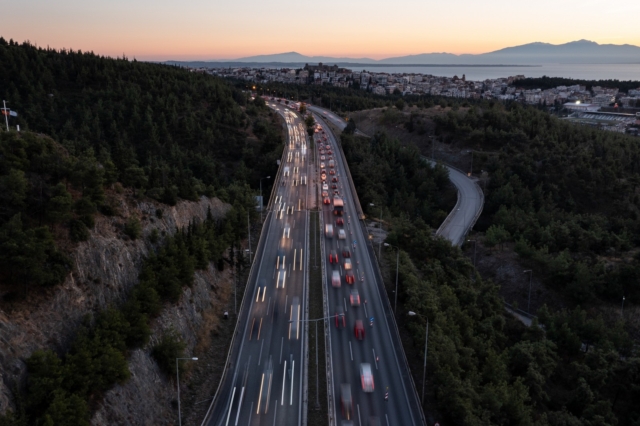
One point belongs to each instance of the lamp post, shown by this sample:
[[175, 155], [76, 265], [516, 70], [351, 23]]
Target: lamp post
[[261, 203], [317, 379], [426, 341], [178, 386], [529, 300], [395, 302], [622, 310], [380, 246]]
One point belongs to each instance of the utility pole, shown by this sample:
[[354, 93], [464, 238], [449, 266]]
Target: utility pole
[[6, 114]]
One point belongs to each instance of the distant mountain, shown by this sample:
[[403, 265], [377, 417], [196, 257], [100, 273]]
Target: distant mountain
[[581, 52]]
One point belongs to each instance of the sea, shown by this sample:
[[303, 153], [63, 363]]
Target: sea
[[484, 72]]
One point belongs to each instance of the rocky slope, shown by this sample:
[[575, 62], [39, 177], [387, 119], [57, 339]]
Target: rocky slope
[[105, 268]]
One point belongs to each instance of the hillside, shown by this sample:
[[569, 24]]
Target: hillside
[[561, 201], [124, 199]]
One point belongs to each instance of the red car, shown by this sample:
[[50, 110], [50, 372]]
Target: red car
[[350, 279], [341, 321], [326, 200], [332, 172], [334, 179], [358, 330], [333, 257], [346, 253], [340, 221], [334, 186], [329, 152]]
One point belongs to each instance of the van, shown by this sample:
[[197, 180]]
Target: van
[[328, 230], [342, 235], [335, 279]]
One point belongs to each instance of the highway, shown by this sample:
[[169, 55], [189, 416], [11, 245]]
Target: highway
[[470, 197], [265, 376], [379, 348]]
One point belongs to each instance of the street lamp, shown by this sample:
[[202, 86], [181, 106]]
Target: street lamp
[[178, 386], [474, 251], [317, 379], [530, 276], [471, 170], [395, 302], [261, 203], [380, 246], [426, 341], [622, 310]]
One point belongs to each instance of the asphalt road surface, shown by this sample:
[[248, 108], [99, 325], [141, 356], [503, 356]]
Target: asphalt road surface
[[377, 348], [264, 381]]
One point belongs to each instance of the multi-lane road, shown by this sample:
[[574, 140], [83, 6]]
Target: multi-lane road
[[264, 380], [350, 355], [265, 377]]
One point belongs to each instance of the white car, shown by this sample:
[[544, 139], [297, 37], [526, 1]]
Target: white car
[[366, 376]]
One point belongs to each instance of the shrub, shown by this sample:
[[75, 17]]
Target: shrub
[[132, 228], [166, 351]]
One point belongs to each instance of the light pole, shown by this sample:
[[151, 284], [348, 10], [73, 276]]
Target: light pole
[[395, 302], [426, 341], [178, 386], [474, 251], [529, 300], [261, 203], [471, 170], [317, 379], [380, 246], [622, 310]]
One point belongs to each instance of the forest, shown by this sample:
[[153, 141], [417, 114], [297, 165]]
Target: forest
[[94, 131], [565, 195], [484, 367]]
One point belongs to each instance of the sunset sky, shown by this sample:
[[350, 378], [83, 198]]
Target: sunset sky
[[215, 29]]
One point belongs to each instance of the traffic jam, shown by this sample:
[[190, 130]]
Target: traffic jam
[[343, 267]]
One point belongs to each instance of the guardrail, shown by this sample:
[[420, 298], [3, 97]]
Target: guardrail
[[243, 312]]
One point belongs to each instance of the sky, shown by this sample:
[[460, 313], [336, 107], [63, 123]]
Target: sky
[[216, 29]]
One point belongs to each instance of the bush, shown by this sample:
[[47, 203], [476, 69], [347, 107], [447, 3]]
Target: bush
[[78, 230], [166, 351], [132, 228]]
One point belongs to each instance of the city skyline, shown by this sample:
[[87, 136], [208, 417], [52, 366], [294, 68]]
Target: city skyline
[[162, 30]]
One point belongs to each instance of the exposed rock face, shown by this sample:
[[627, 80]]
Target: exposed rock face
[[106, 267]]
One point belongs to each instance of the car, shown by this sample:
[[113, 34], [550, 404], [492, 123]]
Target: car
[[328, 230], [346, 402], [324, 172], [322, 158], [336, 281], [334, 186], [287, 231], [342, 235], [332, 172], [346, 253], [329, 152], [334, 179], [333, 257], [323, 176], [325, 193], [358, 330], [321, 152], [354, 297], [322, 166], [347, 264], [336, 192], [286, 171], [325, 186], [327, 146], [350, 278], [326, 200], [340, 318], [366, 376], [339, 221]]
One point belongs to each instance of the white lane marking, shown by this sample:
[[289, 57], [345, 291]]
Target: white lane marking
[[366, 314], [250, 412], [263, 293], [284, 377], [239, 405], [275, 411], [266, 405], [269, 306], [286, 298], [350, 350], [293, 368], [295, 252], [359, 417], [387, 417], [281, 345], [345, 304], [260, 394], [301, 259], [260, 357], [258, 294], [259, 329], [233, 394], [375, 359]]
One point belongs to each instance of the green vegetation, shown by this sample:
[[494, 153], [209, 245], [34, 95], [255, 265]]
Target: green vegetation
[[566, 195], [166, 351], [546, 82], [485, 368]]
